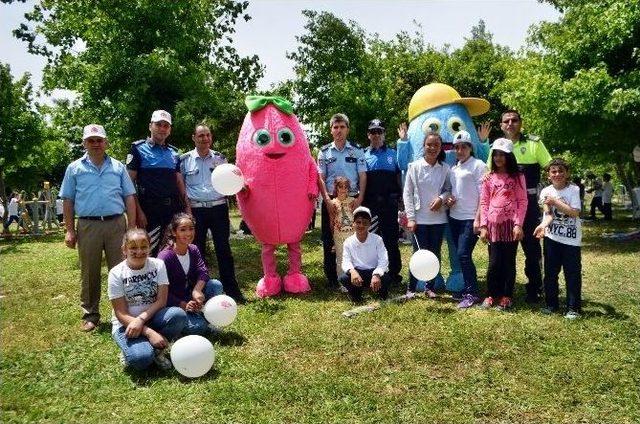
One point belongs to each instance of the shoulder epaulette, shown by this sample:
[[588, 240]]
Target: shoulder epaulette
[[532, 137], [216, 153], [325, 147], [184, 155], [171, 146], [138, 142]]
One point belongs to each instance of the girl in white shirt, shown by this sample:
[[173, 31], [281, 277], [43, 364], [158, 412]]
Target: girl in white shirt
[[466, 180], [426, 187]]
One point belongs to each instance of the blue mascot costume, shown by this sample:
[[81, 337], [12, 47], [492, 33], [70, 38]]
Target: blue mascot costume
[[439, 107]]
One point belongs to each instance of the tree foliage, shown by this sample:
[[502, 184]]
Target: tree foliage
[[126, 58], [340, 68], [579, 85], [21, 131]]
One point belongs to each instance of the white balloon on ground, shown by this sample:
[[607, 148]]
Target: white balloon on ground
[[192, 356], [220, 310], [227, 179], [424, 265]]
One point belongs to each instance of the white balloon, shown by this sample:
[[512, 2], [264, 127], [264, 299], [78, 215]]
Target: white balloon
[[220, 310], [192, 356], [227, 179], [424, 265]]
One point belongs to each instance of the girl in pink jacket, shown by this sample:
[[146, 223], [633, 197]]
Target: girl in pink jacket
[[503, 204]]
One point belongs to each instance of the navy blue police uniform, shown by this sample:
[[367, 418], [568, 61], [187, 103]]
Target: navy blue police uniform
[[156, 166]]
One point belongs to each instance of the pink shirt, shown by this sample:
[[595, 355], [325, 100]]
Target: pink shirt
[[503, 204]]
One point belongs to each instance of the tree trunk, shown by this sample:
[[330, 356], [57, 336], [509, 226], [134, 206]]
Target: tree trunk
[[625, 177]]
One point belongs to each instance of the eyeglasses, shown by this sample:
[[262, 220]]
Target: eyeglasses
[[514, 120]]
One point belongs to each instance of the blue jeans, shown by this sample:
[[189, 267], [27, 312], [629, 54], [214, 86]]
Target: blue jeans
[[138, 353], [430, 238], [196, 323], [465, 241]]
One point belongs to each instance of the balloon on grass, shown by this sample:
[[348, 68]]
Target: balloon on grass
[[220, 310], [227, 179], [192, 356], [424, 265]]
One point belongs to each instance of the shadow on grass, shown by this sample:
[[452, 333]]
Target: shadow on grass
[[603, 311], [228, 338], [146, 377]]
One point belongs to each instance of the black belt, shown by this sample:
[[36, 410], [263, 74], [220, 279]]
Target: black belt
[[101, 218], [156, 201]]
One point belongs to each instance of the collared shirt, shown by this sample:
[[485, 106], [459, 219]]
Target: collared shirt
[[196, 171], [348, 162], [382, 159], [424, 184], [368, 255], [156, 166], [97, 191]]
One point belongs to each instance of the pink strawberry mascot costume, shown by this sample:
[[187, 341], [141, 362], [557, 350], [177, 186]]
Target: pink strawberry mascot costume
[[281, 186]]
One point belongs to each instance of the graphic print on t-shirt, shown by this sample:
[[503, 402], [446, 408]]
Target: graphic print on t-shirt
[[141, 289]]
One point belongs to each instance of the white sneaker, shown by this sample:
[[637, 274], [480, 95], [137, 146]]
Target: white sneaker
[[161, 360]]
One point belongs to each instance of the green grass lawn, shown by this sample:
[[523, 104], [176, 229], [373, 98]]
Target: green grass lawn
[[296, 359]]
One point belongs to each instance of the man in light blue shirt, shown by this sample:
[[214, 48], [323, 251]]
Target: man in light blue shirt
[[338, 158], [209, 207], [97, 189]]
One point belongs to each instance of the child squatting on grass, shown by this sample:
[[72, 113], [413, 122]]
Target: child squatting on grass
[[562, 231], [142, 323], [189, 283], [365, 261], [503, 204]]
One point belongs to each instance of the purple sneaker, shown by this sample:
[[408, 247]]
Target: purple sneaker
[[468, 300]]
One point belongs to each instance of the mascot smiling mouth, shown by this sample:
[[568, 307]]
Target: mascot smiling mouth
[[274, 155]]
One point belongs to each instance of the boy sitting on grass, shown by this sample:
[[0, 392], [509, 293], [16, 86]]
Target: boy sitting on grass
[[364, 259], [562, 232]]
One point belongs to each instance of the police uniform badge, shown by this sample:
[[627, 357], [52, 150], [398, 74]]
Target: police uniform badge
[[523, 149], [129, 159]]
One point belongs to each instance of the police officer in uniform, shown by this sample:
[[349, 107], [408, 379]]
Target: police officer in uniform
[[154, 166], [338, 158], [532, 156], [383, 193], [209, 208]]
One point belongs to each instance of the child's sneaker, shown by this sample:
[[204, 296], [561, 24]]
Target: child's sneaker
[[487, 303], [430, 294], [468, 300], [161, 360], [572, 314], [548, 310], [505, 303]]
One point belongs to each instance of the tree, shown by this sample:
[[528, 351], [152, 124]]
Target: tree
[[21, 130], [579, 84], [126, 58], [340, 68]]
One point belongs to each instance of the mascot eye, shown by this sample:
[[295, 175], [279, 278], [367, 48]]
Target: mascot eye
[[455, 124], [286, 137], [261, 137], [431, 124]]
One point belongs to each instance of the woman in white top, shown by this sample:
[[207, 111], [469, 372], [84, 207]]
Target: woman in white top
[[466, 180], [426, 187]]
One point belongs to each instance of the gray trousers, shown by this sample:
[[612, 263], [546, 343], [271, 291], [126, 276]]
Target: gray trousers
[[93, 238]]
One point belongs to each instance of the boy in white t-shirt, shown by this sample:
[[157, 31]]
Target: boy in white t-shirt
[[562, 232]]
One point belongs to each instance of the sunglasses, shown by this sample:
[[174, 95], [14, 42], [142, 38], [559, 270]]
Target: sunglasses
[[376, 131]]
